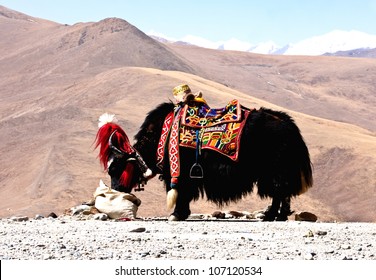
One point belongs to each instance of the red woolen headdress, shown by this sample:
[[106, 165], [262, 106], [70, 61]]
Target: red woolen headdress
[[110, 133]]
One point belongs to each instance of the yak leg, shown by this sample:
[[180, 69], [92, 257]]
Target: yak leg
[[181, 211], [285, 209], [272, 211]]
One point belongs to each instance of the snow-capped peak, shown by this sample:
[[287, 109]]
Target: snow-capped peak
[[332, 42], [265, 48]]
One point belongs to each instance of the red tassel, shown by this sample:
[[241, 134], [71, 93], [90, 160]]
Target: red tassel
[[127, 175], [119, 140]]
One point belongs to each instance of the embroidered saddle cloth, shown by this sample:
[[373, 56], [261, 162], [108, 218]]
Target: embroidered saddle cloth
[[203, 116], [220, 129]]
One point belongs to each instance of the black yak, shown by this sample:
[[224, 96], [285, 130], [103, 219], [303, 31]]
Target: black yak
[[270, 153]]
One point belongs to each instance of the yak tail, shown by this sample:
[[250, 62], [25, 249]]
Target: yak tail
[[299, 159], [172, 196], [304, 163], [305, 171], [305, 184]]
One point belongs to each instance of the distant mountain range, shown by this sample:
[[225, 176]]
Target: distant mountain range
[[342, 43]]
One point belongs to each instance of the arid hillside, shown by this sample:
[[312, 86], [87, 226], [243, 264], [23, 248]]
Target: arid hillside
[[55, 81], [335, 88]]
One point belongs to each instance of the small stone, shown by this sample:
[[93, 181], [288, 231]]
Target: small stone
[[140, 229], [144, 254], [101, 217], [259, 216], [309, 234], [38, 217], [236, 214], [196, 217], [321, 232], [250, 216], [52, 215], [218, 215], [306, 217], [20, 219]]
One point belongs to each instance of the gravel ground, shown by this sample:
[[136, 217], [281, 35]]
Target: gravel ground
[[64, 238]]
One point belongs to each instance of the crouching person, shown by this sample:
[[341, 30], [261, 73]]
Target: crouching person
[[117, 156]]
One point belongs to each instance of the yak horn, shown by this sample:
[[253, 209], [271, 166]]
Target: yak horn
[[172, 196]]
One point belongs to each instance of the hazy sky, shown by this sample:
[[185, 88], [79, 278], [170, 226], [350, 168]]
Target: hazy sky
[[252, 21]]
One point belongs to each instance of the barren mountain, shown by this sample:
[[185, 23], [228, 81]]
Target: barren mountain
[[355, 53], [55, 81], [340, 89]]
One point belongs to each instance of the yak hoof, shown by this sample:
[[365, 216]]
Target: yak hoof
[[173, 218], [269, 217], [282, 218]]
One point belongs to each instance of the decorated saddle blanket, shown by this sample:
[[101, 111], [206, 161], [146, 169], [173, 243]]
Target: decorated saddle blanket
[[202, 116], [219, 130]]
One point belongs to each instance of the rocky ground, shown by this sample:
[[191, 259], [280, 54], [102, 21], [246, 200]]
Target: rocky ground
[[201, 237]]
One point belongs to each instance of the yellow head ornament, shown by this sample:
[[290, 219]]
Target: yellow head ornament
[[180, 91]]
